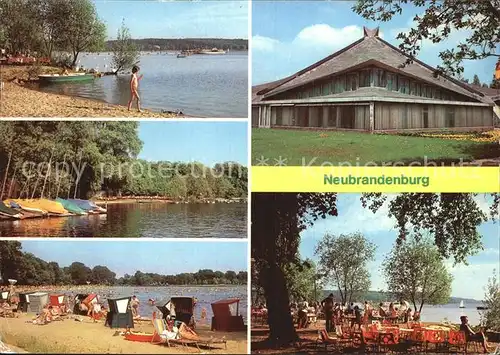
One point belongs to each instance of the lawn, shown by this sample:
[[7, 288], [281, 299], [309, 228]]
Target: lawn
[[274, 147]]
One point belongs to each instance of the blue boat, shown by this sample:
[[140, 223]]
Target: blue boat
[[87, 206]]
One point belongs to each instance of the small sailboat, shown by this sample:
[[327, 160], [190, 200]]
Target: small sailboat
[[461, 304]]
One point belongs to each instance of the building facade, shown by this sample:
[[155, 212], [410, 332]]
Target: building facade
[[370, 86]]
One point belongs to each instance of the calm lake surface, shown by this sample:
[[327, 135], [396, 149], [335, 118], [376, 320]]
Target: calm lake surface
[[205, 295], [198, 85], [153, 220], [452, 312]]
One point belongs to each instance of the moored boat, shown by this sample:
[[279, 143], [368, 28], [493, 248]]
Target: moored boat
[[27, 205], [71, 206], [9, 212], [56, 78], [212, 51], [88, 206], [52, 207]]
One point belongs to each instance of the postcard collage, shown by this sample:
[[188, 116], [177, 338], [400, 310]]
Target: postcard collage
[[249, 176]]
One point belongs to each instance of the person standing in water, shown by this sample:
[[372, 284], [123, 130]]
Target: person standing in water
[[134, 88]]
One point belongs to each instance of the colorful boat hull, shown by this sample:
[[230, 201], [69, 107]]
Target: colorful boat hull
[[71, 206], [54, 79]]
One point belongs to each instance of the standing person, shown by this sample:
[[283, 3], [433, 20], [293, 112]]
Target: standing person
[[470, 335], [134, 88], [134, 303], [327, 305], [357, 318]]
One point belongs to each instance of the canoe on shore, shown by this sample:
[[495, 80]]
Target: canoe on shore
[[88, 206], [9, 212], [71, 207], [56, 78], [27, 205]]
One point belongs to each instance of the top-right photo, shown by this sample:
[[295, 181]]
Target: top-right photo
[[371, 82]]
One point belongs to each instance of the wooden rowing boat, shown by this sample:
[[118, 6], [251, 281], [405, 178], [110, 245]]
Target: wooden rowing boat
[[56, 78]]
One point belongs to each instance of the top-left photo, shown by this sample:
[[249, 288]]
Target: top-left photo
[[92, 58]]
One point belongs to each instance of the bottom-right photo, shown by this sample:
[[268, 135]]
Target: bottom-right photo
[[373, 272]]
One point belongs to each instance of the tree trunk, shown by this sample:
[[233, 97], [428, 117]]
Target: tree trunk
[[75, 58], [281, 327]]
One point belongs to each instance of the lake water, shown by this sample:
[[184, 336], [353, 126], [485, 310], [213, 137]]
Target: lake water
[[198, 85], [452, 312], [205, 296], [154, 220]]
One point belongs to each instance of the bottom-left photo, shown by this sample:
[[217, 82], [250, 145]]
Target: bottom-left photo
[[154, 297]]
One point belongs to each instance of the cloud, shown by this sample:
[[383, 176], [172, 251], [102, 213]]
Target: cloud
[[265, 44]]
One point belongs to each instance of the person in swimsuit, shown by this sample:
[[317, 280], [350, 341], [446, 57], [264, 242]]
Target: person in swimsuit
[[470, 335], [134, 88]]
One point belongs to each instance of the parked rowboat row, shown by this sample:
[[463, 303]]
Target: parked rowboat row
[[32, 208]]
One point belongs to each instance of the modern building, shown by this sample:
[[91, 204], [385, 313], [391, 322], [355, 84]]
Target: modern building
[[370, 85]]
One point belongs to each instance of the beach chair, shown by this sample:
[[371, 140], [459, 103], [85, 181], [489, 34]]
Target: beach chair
[[436, 337], [456, 341], [369, 341], [190, 337], [159, 337]]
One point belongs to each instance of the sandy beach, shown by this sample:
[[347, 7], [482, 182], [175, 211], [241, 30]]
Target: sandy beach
[[71, 336], [17, 100]]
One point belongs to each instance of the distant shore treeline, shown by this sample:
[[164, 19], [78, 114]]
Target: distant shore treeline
[[28, 269], [178, 44], [85, 159], [379, 296]]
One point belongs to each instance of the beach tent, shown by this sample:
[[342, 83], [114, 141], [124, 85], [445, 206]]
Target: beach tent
[[227, 316], [4, 295], [120, 314], [85, 298], [184, 309], [57, 300], [37, 301], [24, 301]]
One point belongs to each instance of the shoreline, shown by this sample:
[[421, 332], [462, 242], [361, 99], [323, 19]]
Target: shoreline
[[148, 200], [49, 288], [70, 336], [19, 100]]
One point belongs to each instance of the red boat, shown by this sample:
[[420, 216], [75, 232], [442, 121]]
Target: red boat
[[142, 337]]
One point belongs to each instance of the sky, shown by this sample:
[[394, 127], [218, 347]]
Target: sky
[[205, 142], [128, 256], [175, 19], [288, 36], [469, 280]]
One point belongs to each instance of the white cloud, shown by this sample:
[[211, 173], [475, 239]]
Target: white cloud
[[262, 43], [325, 35]]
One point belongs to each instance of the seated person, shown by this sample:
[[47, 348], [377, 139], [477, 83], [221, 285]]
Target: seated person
[[470, 335], [381, 310], [408, 315]]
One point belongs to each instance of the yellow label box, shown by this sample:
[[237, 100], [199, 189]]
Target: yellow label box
[[375, 179]]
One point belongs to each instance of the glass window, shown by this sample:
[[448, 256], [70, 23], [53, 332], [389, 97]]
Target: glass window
[[364, 78], [332, 116], [404, 86], [413, 88], [427, 91], [381, 78], [352, 82], [392, 82], [279, 116], [425, 116], [450, 116], [325, 89]]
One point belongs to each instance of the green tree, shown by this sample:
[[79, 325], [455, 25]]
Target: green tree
[[125, 53], [79, 273], [101, 275], [344, 260], [278, 219], [415, 270], [10, 258], [300, 278], [177, 188], [82, 29], [476, 80], [491, 319], [436, 23]]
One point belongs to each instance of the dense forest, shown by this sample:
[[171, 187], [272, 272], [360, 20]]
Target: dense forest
[[28, 269], [178, 44], [83, 159]]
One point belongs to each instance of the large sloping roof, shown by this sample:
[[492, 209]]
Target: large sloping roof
[[373, 49]]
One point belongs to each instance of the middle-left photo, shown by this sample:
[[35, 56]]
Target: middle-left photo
[[123, 179]]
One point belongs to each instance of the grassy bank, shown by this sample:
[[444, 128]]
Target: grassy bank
[[338, 147], [69, 336], [19, 100]]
